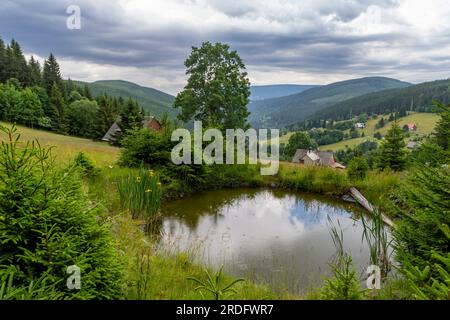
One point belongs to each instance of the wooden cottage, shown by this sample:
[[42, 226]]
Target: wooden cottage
[[317, 158], [149, 122]]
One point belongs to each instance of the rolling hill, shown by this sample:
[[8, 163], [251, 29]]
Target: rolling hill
[[415, 97], [152, 100], [426, 122], [278, 90], [284, 111]]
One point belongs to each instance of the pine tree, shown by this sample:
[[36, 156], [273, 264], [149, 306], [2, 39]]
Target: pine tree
[[131, 116], [57, 109], [35, 72], [442, 130], [392, 150], [2, 62], [87, 92], [16, 64], [52, 74]]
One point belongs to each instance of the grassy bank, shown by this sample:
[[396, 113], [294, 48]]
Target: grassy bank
[[154, 275]]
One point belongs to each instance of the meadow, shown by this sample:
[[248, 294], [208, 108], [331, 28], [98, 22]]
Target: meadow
[[425, 124]]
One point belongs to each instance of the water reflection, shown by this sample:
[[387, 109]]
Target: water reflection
[[278, 237]]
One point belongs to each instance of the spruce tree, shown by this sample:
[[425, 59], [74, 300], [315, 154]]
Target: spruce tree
[[131, 116], [51, 74], [57, 109], [16, 64], [392, 150], [35, 72], [442, 130], [2, 62], [87, 92]]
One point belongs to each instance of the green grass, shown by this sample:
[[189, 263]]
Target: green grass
[[155, 275], [425, 125], [67, 147]]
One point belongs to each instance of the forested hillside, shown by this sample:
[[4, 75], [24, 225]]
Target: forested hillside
[[154, 101], [415, 98], [38, 97], [278, 90], [279, 112]]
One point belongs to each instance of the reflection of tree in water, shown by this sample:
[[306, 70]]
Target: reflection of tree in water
[[210, 203]]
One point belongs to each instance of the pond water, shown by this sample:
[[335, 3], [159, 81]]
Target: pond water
[[276, 237]]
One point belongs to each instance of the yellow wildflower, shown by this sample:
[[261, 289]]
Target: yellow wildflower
[[138, 179], [148, 190]]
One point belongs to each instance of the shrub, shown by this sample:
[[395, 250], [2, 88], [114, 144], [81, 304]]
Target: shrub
[[357, 168], [423, 203], [344, 285], [47, 224], [86, 165]]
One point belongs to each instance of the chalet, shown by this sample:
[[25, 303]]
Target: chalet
[[317, 158], [412, 127], [149, 122], [360, 125]]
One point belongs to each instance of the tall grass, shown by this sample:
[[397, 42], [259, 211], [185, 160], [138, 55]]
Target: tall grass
[[377, 239], [140, 193]]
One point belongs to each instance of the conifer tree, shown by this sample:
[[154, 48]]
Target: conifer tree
[[51, 74], [442, 130], [2, 62], [57, 109], [35, 72], [392, 150]]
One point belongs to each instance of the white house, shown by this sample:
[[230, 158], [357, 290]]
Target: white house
[[360, 125]]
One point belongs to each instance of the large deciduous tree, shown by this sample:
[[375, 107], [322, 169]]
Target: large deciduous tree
[[218, 90]]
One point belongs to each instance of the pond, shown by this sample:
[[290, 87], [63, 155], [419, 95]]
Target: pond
[[276, 237]]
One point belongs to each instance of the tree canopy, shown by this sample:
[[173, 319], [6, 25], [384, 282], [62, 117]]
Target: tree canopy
[[218, 90]]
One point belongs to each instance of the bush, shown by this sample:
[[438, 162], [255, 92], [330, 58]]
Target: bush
[[86, 165], [422, 235], [47, 224], [357, 168], [344, 285]]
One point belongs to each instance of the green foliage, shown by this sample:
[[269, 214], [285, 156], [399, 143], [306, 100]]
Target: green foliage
[[47, 224], [131, 116], [310, 105], [141, 193], [324, 137], [145, 146], [57, 109], [415, 98], [20, 106], [81, 118], [51, 75], [344, 285], [299, 140], [423, 203], [40, 289], [357, 168], [86, 165], [376, 236], [218, 90], [392, 151], [442, 131], [213, 284]]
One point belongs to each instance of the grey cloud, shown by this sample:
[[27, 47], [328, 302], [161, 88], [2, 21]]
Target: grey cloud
[[106, 38]]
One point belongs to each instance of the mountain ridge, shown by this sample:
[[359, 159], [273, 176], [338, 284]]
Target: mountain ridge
[[284, 111]]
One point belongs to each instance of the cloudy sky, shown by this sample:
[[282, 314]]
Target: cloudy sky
[[281, 41]]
